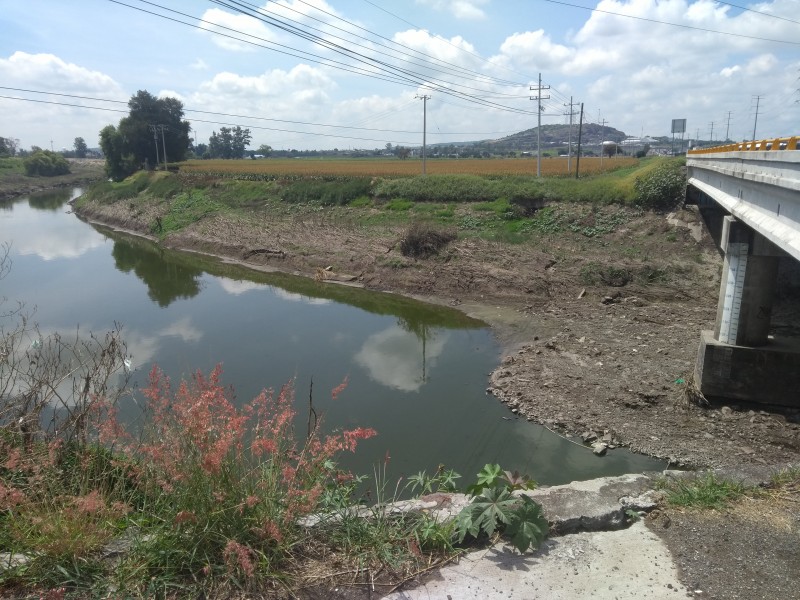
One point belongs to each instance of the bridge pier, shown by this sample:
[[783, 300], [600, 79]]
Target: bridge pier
[[740, 359]]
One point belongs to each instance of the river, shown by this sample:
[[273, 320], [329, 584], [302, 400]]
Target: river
[[416, 373]]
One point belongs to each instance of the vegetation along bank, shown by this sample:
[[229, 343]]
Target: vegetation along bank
[[598, 288]]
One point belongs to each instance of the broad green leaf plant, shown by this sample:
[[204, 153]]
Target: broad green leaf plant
[[496, 509]]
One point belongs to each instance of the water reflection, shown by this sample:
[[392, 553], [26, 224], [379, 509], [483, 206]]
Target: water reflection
[[166, 281], [236, 287], [417, 372], [41, 227], [143, 348], [52, 200], [401, 359]]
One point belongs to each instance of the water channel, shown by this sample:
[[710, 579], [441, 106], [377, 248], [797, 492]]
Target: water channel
[[416, 373]]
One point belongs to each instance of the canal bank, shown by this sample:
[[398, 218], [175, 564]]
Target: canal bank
[[599, 326]]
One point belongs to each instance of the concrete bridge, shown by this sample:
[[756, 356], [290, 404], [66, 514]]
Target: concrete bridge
[[754, 187]]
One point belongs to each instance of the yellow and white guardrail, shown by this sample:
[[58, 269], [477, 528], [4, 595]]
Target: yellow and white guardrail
[[787, 143]]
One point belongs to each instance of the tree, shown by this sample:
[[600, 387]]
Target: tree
[[8, 146], [264, 150], [151, 121], [45, 163], [241, 140], [80, 147], [229, 142]]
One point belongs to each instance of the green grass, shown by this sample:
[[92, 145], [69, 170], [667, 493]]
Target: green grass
[[509, 209], [11, 165], [707, 491], [187, 208]]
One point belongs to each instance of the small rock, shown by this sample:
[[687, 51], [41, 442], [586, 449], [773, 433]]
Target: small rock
[[599, 449]]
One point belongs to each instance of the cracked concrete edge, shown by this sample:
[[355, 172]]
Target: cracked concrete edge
[[593, 505]]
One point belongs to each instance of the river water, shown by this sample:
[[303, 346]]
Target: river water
[[416, 373]]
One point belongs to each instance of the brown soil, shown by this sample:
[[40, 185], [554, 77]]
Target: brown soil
[[600, 333]]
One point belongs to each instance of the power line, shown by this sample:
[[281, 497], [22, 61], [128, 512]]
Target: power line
[[388, 72], [758, 12], [403, 73], [247, 117], [616, 14]]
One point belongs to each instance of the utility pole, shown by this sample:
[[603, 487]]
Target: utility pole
[[155, 137], [728, 128], [425, 99], [539, 98], [602, 126], [51, 146], [163, 144], [569, 138], [758, 99], [712, 132], [580, 133]]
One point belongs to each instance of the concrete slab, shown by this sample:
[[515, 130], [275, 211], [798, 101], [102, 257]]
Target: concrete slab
[[628, 564]]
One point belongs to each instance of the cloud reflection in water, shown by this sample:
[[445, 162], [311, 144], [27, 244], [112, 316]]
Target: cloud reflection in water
[[400, 359]]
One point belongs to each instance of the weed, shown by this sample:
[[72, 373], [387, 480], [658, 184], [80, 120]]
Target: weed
[[706, 491], [662, 188], [494, 508], [423, 240], [361, 201], [399, 204]]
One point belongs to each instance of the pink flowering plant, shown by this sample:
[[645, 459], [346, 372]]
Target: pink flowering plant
[[225, 486], [208, 491]]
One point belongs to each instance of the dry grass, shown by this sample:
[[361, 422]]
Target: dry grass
[[395, 167]]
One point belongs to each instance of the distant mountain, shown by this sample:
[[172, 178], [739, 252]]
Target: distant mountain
[[556, 135]]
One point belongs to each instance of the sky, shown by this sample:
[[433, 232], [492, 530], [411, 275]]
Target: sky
[[348, 74]]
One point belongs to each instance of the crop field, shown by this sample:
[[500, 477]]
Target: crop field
[[278, 167]]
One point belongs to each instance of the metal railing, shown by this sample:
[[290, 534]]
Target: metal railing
[[788, 143]]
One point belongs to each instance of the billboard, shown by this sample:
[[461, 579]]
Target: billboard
[[678, 125]]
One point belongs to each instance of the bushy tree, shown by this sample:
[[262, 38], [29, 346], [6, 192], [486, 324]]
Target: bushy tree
[[8, 146], [80, 147], [132, 144], [229, 142], [45, 163]]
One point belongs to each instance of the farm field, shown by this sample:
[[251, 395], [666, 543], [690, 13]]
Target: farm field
[[399, 168]]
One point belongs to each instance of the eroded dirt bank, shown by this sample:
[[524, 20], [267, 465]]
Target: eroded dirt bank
[[600, 330]]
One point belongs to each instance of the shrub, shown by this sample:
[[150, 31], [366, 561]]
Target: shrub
[[46, 164], [327, 193], [662, 188], [423, 240]]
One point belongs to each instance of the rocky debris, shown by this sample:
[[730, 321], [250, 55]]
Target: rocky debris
[[621, 380]]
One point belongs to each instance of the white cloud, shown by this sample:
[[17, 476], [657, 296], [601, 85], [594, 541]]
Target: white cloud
[[199, 65], [460, 9], [49, 72], [40, 121], [761, 65], [455, 50], [534, 49], [237, 33]]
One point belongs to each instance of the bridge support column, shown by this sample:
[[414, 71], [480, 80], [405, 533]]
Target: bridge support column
[[739, 359]]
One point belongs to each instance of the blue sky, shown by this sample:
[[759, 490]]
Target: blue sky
[[636, 74]]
